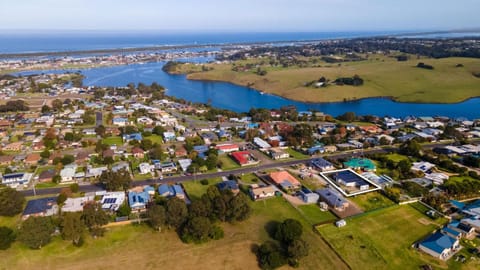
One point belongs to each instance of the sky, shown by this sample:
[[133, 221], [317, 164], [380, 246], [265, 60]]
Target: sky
[[240, 15]]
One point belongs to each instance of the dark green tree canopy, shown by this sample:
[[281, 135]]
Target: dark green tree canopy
[[11, 202]]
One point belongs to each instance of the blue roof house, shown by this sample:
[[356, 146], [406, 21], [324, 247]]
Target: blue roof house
[[138, 200], [41, 207], [132, 137], [179, 193], [201, 150], [440, 245], [166, 190], [229, 185]]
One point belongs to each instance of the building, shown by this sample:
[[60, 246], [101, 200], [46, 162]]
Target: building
[[111, 201], [14, 180], [308, 196], [285, 180], [277, 153], [360, 164], [139, 197], [261, 143], [244, 158], [138, 152], [166, 167], [46, 176], [169, 136], [350, 179], [440, 245], [67, 174], [145, 168], [32, 159], [184, 163], [259, 193], [229, 185], [422, 166], [132, 137], [340, 223], [76, 204], [227, 148], [321, 164], [41, 208], [333, 199], [165, 190]]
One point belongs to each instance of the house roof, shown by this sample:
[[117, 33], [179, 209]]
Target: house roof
[[39, 205], [438, 242], [165, 189], [32, 157], [241, 156], [360, 163], [284, 177], [229, 184], [47, 174]]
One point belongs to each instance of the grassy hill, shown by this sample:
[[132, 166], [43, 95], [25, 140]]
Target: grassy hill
[[383, 77]]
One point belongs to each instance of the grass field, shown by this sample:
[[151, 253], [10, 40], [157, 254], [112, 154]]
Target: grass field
[[382, 240], [249, 178], [371, 201], [113, 140], [296, 154], [141, 247], [155, 138], [383, 77], [313, 214], [396, 157], [227, 162], [195, 189]]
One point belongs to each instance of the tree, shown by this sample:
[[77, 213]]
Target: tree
[[56, 179], [157, 152], [200, 208], [411, 148], [146, 144], [124, 210], [157, 216], [57, 104], [120, 180], [11, 202], [45, 154], [211, 161], [72, 227], [6, 237], [36, 232], [94, 218], [238, 208], [289, 230], [68, 159], [100, 130], [296, 250], [197, 229], [74, 187], [46, 109], [158, 130], [270, 256], [348, 116], [176, 212]]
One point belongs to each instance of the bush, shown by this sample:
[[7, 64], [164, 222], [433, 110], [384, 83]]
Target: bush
[[11, 202], [204, 182], [6, 237]]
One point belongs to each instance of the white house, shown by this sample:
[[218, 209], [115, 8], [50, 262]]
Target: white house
[[68, 173], [145, 168]]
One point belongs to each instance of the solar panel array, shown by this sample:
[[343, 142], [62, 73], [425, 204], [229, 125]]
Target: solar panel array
[[348, 177], [109, 200]]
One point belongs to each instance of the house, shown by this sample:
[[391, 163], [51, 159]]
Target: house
[[277, 153], [6, 160], [81, 157], [244, 158], [111, 201], [41, 208], [180, 151], [184, 164], [321, 164], [166, 167], [46, 176], [422, 166], [227, 148], [145, 168], [229, 185], [166, 190], [258, 193], [138, 152], [121, 166], [15, 146], [179, 193], [201, 150], [132, 137], [76, 204], [440, 245], [361, 164], [169, 136], [308, 196], [261, 143], [464, 229], [285, 180], [32, 159], [333, 199], [67, 174], [14, 180], [120, 122], [95, 172], [139, 197]]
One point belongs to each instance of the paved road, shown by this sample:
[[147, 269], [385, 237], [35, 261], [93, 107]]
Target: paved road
[[185, 178]]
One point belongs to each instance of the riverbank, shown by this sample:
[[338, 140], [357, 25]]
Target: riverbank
[[451, 80]]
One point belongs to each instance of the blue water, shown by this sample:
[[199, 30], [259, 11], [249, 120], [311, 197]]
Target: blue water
[[13, 42], [241, 99]]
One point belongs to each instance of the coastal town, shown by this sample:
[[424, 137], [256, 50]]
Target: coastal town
[[121, 150]]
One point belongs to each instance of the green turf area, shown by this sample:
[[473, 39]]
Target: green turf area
[[115, 140], [147, 249], [249, 178], [460, 179], [313, 214], [295, 154], [371, 201], [383, 76], [45, 185], [155, 138], [227, 162], [382, 239], [396, 157], [195, 189]]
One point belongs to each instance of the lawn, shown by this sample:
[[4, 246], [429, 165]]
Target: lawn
[[114, 140], [296, 154], [382, 239], [139, 246], [396, 157], [249, 179], [227, 163], [155, 138], [195, 189], [313, 214], [383, 77], [371, 201]]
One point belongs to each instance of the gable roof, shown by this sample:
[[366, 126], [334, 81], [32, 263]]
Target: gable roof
[[283, 178], [438, 242], [39, 205]]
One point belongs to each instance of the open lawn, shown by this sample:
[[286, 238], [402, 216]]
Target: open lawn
[[195, 189], [396, 157], [155, 138], [113, 140], [227, 162], [382, 239], [140, 247], [313, 214], [371, 201], [249, 178], [296, 154], [383, 77]]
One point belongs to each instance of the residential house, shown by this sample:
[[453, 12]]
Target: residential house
[[263, 192], [14, 180], [145, 168], [179, 193], [262, 144], [111, 201], [184, 163], [201, 150], [227, 148], [229, 185], [95, 172], [422, 166], [76, 204], [169, 136], [180, 151], [132, 137], [166, 167], [120, 122], [138, 152], [32, 159], [308, 196], [15, 147], [333, 199], [439, 245], [6, 160], [139, 197], [67, 174], [166, 190], [43, 207], [46, 176], [360, 164], [244, 158], [277, 153], [321, 164], [285, 180]]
